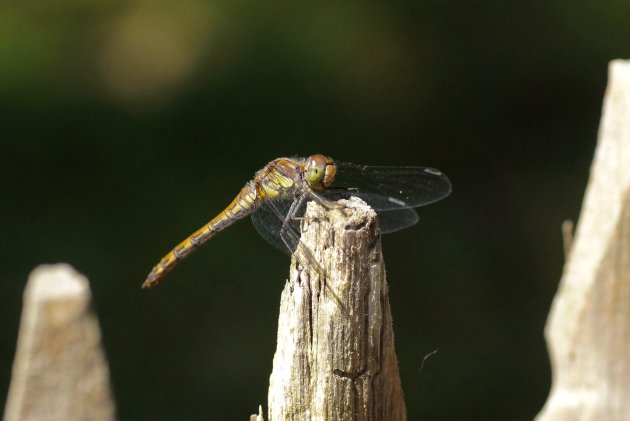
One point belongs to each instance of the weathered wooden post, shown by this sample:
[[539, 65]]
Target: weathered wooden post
[[60, 371], [588, 331], [335, 356]]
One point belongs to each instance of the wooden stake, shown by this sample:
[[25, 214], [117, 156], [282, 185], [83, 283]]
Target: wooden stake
[[335, 357], [588, 331], [59, 372]]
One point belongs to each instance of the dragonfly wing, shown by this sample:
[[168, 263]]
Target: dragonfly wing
[[390, 219], [268, 220], [396, 219], [388, 188]]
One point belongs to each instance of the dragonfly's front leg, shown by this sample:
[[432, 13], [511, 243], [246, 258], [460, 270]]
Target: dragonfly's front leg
[[295, 207], [286, 228], [327, 203], [302, 253]]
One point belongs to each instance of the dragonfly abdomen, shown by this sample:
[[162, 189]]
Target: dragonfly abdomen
[[242, 205]]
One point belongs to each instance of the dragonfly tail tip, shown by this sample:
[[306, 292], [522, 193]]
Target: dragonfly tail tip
[[149, 283]]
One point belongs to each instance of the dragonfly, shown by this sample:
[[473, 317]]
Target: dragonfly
[[277, 195]]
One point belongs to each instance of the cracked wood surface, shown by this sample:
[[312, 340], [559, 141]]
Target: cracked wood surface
[[335, 357]]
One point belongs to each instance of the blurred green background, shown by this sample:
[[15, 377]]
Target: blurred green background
[[126, 125]]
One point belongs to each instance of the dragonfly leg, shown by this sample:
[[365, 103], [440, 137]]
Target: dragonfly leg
[[327, 203], [297, 204], [292, 241], [291, 238], [295, 207]]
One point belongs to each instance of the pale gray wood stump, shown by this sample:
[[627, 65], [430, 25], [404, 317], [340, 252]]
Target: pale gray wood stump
[[60, 372], [335, 356], [588, 330]]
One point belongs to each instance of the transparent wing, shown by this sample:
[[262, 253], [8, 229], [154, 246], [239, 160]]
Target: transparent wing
[[268, 220], [392, 192], [396, 219], [389, 219], [390, 188]]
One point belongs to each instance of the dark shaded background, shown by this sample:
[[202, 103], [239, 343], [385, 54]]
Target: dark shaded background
[[127, 125]]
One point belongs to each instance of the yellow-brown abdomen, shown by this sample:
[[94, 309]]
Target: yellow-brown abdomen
[[242, 205]]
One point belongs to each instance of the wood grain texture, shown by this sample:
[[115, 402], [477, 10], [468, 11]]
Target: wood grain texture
[[335, 357], [588, 331]]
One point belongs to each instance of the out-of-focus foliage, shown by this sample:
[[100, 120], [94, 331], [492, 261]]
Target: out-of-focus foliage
[[126, 125]]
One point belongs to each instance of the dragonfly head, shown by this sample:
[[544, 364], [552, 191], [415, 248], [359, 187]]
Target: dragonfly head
[[320, 171]]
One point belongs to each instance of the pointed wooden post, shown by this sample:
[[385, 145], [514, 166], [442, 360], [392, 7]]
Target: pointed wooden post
[[335, 356], [59, 372], [588, 331]]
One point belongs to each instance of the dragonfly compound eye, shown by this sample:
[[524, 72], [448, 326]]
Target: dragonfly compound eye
[[315, 170], [315, 174], [329, 175], [320, 171]]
